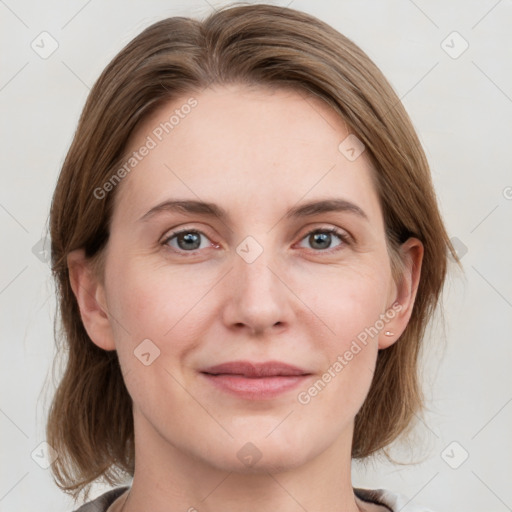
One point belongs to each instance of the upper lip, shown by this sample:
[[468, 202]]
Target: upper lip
[[255, 369]]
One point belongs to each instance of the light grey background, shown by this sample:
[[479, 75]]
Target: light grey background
[[461, 105]]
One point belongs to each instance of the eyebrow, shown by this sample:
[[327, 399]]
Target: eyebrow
[[308, 209]]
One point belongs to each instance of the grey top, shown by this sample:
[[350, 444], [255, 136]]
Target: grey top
[[101, 503], [387, 499]]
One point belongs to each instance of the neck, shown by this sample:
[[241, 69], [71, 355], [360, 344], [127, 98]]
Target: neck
[[168, 479]]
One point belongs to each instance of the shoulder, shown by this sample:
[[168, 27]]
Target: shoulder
[[390, 500], [101, 503]]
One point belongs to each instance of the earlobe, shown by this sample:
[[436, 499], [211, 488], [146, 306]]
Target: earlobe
[[400, 311], [90, 296]]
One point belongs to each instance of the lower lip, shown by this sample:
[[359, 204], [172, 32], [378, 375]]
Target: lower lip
[[255, 388]]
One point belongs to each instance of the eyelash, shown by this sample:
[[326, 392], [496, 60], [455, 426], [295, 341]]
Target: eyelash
[[345, 239]]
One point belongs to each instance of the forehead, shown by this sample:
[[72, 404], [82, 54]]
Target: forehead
[[240, 144]]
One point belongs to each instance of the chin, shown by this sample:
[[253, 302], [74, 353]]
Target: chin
[[252, 452], [268, 460]]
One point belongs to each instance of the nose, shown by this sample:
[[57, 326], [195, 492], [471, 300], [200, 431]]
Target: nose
[[257, 299]]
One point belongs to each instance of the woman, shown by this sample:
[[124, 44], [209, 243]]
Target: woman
[[248, 249]]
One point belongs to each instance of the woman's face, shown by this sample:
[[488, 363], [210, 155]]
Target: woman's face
[[281, 257]]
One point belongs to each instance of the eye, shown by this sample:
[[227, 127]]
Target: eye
[[192, 240], [187, 240], [322, 239]]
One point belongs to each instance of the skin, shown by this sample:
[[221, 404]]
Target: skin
[[257, 153]]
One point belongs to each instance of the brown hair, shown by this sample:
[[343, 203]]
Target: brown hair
[[90, 422]]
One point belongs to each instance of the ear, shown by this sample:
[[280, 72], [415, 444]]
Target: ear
[[90, 295], [401, 307]]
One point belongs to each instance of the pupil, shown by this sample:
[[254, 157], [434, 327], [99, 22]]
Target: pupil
[[190, 241], [323, 238]]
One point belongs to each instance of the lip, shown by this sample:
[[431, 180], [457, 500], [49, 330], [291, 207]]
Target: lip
[[253, 380], [254, 370]]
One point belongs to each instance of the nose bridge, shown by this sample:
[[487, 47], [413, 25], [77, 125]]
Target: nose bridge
[[258, 298], [253, 268]]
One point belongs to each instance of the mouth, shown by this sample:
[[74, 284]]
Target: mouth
[[255, 381]]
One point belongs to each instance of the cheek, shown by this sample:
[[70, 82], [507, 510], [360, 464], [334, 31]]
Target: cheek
[[151, 303], [348, 300], [340, 389], [160, 316], [152, 314], [352, 310]]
